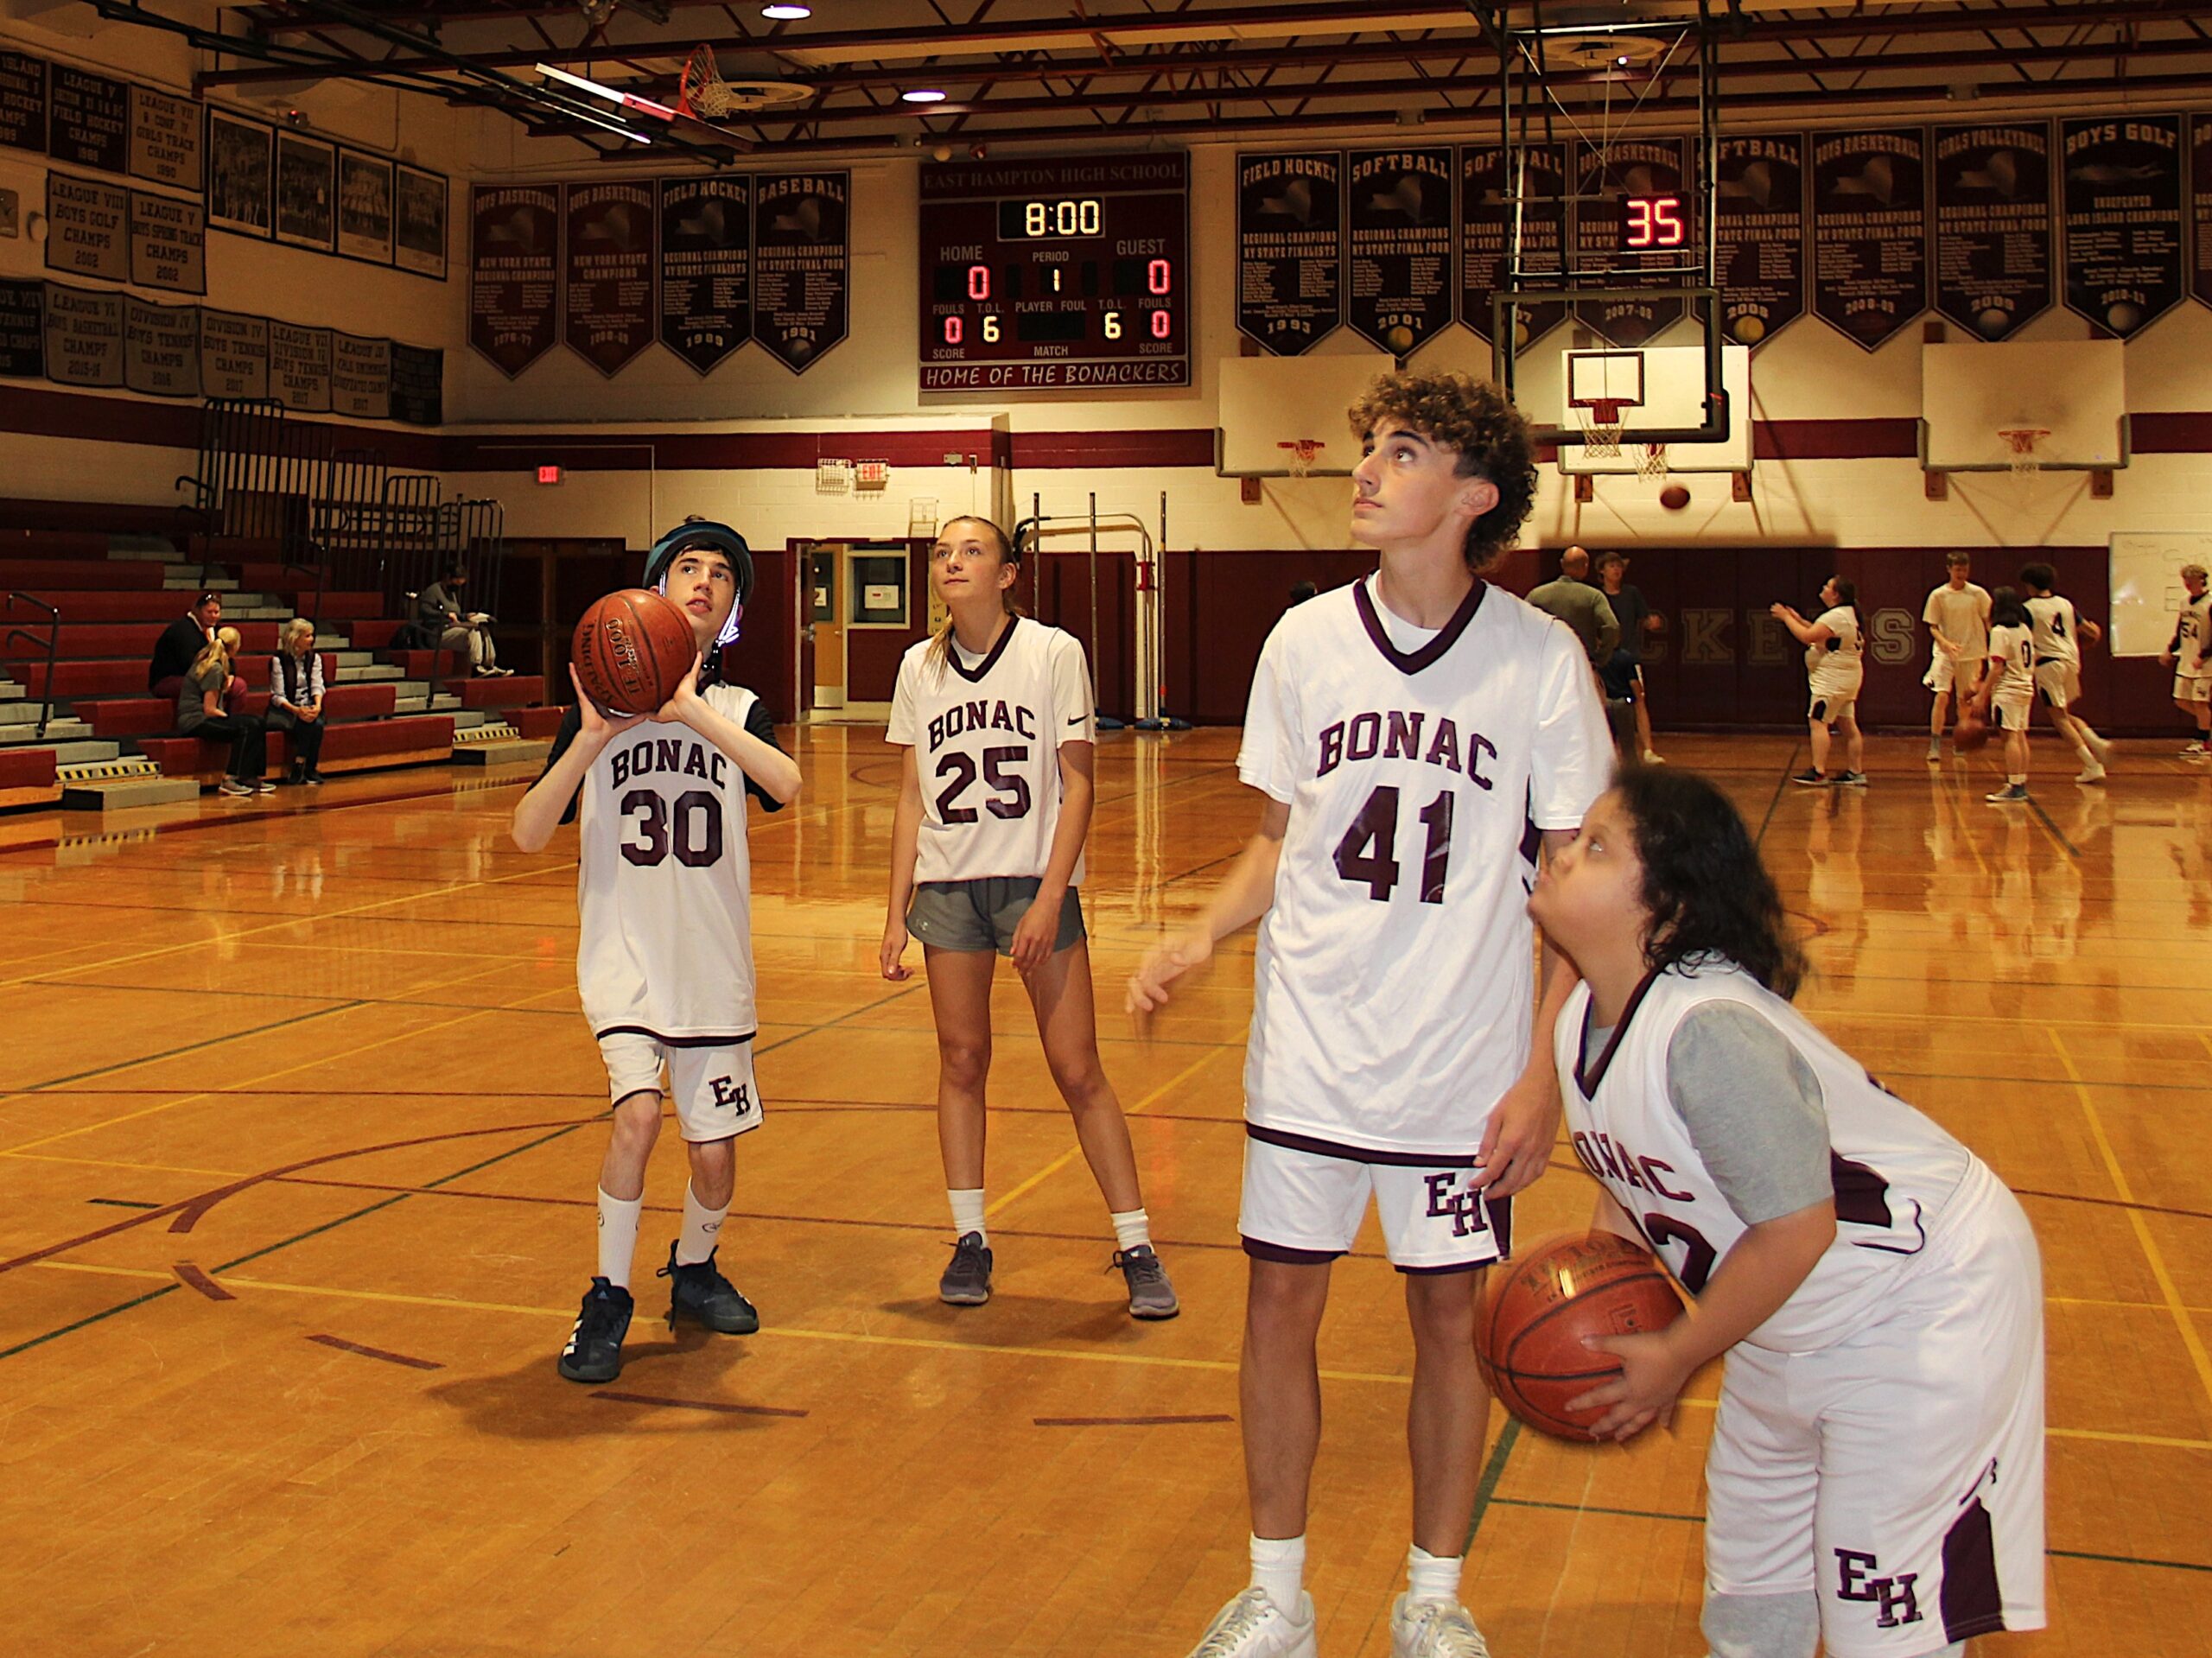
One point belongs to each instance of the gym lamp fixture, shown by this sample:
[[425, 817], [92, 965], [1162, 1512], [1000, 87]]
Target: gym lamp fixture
[[786, 14], [923, 95]]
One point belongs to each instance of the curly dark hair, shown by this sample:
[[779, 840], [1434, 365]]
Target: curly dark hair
[[2038, 576], [1709, 891], [1477, 420]]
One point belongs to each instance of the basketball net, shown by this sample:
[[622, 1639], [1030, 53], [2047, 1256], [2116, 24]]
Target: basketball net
[[1601, 430], [702, 92], [2021, 441], [1652, 463], [1304, 451]]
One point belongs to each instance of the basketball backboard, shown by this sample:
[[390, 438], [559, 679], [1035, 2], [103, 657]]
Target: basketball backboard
[[2072, 392], [1271, 408], [1656, 388]]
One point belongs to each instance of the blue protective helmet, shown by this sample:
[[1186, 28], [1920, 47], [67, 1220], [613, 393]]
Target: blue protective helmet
[[694, 533]]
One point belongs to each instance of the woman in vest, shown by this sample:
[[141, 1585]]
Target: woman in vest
[[295, 697]]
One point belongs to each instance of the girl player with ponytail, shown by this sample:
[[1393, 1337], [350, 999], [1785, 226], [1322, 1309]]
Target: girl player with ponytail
[[1835, 651], [998, 725], [664, 949]]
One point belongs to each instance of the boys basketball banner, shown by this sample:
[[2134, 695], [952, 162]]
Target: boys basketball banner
[[22, 329], [1400, 245], [1290, 249], [1490, 201], [612, 304], [2123, 219], [1758, 223], [1996, 254], [1607, 181], [801, 259], [514, 273], [706, 268], [1870, 233]]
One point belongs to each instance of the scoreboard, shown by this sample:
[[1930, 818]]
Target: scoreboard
[[1055, 275]]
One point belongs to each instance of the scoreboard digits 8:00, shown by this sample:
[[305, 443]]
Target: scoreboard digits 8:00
[[1051, 274]]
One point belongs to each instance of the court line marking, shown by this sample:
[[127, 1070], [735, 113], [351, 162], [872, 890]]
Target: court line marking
[[1076, 1150], [2191, 1341], [337, 1005]]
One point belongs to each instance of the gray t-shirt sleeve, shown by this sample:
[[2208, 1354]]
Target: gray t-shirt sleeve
[[1752, 1106]]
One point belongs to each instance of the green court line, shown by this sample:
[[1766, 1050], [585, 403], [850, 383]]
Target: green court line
[[1493, 1471], [92, 1319], [2128, 1559], [29, 1089]]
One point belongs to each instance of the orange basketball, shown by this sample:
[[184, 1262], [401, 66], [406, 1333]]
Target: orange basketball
[[1538, 1308], [631, 650], [1971, 732]]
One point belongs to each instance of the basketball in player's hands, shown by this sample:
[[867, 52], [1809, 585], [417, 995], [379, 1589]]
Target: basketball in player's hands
[[1971, 732], [631, 650], [1530, 1329]]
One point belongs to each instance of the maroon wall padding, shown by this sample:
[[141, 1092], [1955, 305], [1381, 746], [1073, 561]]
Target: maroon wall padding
[[1221, 608], [765, 659]]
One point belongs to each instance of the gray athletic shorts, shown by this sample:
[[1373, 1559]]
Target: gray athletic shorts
[[983, 914]]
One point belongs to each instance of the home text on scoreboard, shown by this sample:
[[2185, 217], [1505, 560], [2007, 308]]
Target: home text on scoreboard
[[1056, 275]]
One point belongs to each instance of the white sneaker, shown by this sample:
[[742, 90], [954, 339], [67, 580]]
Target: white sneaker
[[1434, 1628], [2091, 772], [2101, 747], [2197, 752], [1650, 758], [1252, 1626]]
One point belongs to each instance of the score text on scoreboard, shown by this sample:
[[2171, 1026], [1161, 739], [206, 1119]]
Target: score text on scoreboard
[[1054, 275]]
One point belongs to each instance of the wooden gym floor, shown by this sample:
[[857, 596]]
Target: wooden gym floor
[[299, 1127]]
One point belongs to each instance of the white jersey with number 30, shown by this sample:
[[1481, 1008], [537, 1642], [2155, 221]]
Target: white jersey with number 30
[[1393, 984], [986, 733]]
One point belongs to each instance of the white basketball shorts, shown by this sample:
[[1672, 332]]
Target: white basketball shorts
[[1304, 1207], [2058, 684], [2011, 713], [714, 1091], [2192, 687], [1899, 1473], [1947, 672]]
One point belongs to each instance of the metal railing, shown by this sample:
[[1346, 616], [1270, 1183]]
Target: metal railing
[[51, 641]]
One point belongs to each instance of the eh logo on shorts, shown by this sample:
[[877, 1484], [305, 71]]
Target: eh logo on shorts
[[1856, 1581]]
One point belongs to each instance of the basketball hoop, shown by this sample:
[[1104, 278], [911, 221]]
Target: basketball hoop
[[1303, 453], [1653, 461], [2022, 440], [1601, 428], [703, 92]]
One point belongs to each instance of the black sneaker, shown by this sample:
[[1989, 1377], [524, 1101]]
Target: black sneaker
[[1851, 780], [1151, 1296], [698, 1290], [967, 1281], [594, 1348], [1812, 777]]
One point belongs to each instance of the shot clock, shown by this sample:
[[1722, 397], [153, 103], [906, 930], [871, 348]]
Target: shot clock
[[1055, 275]]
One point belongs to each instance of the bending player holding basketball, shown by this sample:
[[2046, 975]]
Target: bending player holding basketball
[[1417, 736], [1875, 1481], [1835, 649], [988, 861], [664, 954]]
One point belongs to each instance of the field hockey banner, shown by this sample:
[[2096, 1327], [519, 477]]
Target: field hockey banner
[[95, 339], [1996, 244], [1290, 248]]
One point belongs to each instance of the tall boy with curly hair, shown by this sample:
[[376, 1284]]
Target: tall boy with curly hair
[[1416, 738]]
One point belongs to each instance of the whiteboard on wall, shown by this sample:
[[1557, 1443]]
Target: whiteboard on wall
[[2147, 590]]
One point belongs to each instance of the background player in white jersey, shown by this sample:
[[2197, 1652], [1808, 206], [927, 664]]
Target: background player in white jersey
[[1835, 649], [998, 729], [1875, 1480], [2057, 633], [1957, 616], [2189, 655], [2009, 688], [664, 952], [1418, 736]]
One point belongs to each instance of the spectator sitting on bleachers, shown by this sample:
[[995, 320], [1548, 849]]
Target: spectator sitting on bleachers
[[200, 714], [295, 697], [439, 614], [180, 647]]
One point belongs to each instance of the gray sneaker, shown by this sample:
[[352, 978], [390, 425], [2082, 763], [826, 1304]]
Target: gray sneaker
[[1151, 1296], [1432, 1629], [967, 1281]]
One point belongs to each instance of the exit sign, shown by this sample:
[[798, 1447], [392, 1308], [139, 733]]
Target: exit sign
[[548, 474]]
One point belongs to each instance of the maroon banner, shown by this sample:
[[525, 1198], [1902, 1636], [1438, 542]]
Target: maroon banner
[[2200, 175], [801, 265], [514, 273], [1398, 241], [1632, 217], [1759, 235], [1490, 199], [612, 304], [1996, 253], [1870, 232], [2124, 265], [706, 268], [90, 120], [1290, 249]]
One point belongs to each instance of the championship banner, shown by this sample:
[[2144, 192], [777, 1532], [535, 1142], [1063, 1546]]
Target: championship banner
[[233, 354], [1290, 249], [89, 119], [299, 367], [165, 139], [706, 268], [161, 348], [360, 377], [2123, 215], [84, 337], [1618, 225], [169, 243], [88, 227], [1758, 222], [2200, 175], [22, 328], [417, 385], [801, 266], [609, 255], [514, 273], [1399, 245], [1870, 233], [1489, 200], [22, 102], [1996, 252]]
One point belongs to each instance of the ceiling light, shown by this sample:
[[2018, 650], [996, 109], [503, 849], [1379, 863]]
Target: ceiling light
[[923, 95], [786, 14]]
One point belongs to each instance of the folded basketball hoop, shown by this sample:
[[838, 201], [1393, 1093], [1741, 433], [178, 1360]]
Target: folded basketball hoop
[[2022, 440], [1304, 451]]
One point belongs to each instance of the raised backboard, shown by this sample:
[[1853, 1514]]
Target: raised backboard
[[1268, 401], [2074, 391], [1657, 388]]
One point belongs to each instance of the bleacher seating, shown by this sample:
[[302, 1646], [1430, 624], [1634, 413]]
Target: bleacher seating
[[116, 593]]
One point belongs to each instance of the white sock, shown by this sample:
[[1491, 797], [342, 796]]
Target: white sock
[[968, 1213], [618, 1236], [1279, 1568], [1132, 1227], [1431, 1577], [701, 1224]]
